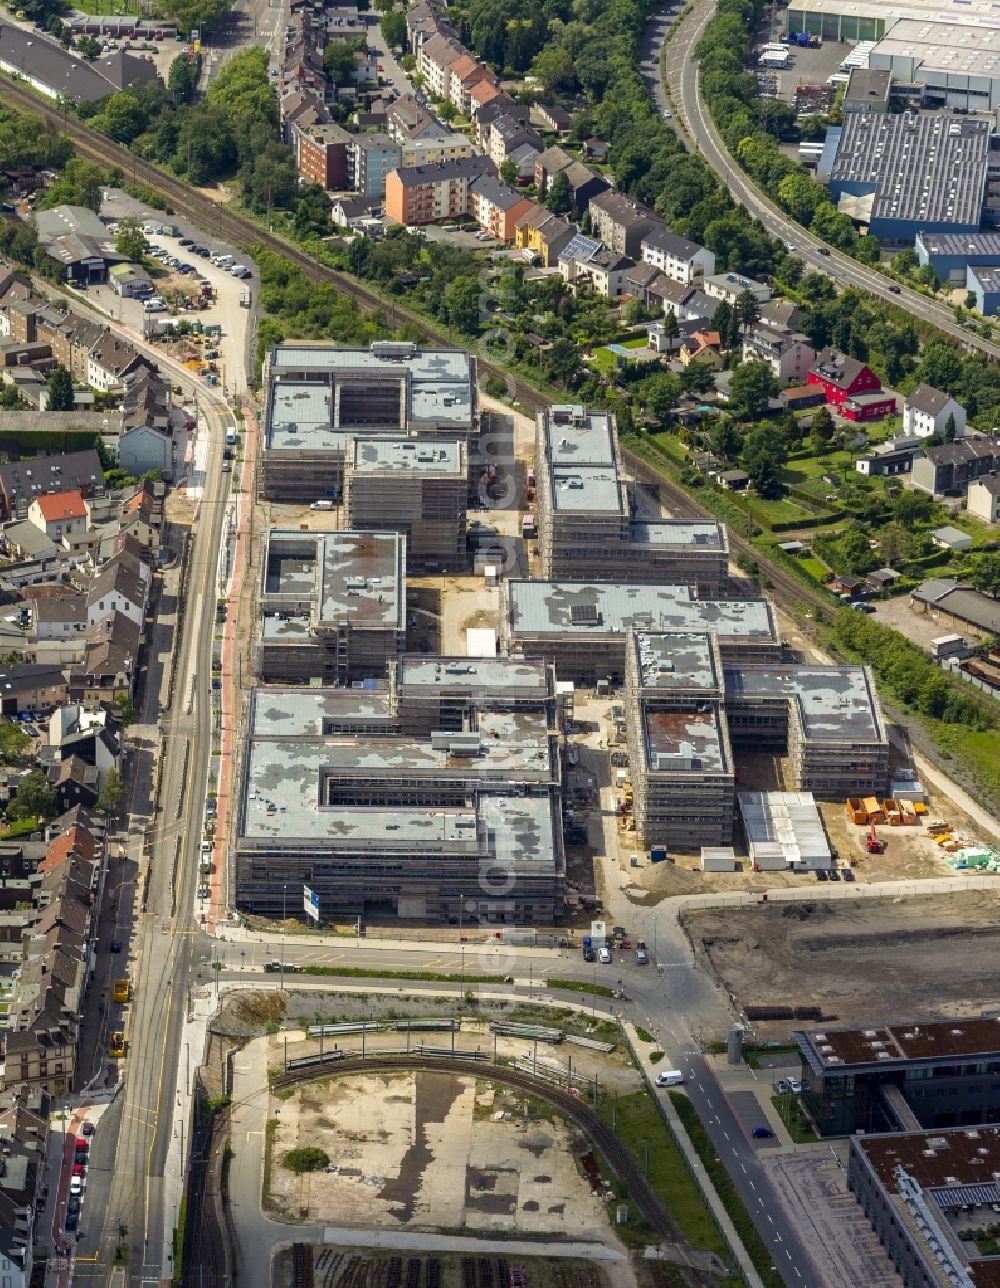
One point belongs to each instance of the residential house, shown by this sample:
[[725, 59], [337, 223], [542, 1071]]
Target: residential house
[[59, 515], [495, 207], [550, 163], [434, 63], [465, 74], [353, 212], [321, 154], [21, 481], [371, 157], [704, 347], [596, 149], [851, 388], [734, 480], [75, 783], [90, 732], [109, 666], [24, 1139], [523, 161], [678, 257], [497, 104], [111, 361], [147, 400], [788, 354], [122, 587], [429, 151], [56, 620], [926, 411], [544, 233], [782, 313], [948, 469], [983, 498], [888, 460], [143, 449], [406, 119], [730, 286], [622, 223], [505, 135], [423, 194], [599, 269]]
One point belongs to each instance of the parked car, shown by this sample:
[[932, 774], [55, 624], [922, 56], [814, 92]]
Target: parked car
[[116, 945], [605, 956], [781, 1087], [669, 1078], [72, 1220], [762, 1133], [821, 874], [794, 1085], [87, 1128], [76, 1185], [847, 874]]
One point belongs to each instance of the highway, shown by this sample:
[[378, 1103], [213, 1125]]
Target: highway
[[683, 81]]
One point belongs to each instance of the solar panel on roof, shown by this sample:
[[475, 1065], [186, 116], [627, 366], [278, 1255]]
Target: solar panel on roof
[[584, 614]]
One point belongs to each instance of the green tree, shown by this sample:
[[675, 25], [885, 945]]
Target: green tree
[[461, 304], [182, 78], [554, 67], [307, 1158], [726, 441], [393, 26], [854, 554], [112, 792], [339, 60], [14, 742], [122, 117], [671, 327], [34, 798], [822, 428], [508, 172], [751, 388], [747, 310], [660, 393], [559, 196], [59, 387], [911, 508], [985, 574], [88, 48], [764, 456], [563, 362], [200, 15], [447, 111], [130, 240], [950, 428]]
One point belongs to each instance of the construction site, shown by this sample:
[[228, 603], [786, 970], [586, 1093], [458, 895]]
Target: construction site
[[857, 959]]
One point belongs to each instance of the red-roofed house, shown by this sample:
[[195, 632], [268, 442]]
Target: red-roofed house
[[851, 387], [59, 515], [78, 842]]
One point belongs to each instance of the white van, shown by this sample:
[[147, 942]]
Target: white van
[[223, 261], [669, 1078]]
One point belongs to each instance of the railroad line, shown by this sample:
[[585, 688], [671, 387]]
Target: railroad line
[[215, 1245]]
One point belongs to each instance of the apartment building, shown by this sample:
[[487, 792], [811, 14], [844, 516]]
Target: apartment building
[[22, 481], [495, 207], [788, 354], [319, 396], [332, 605], [505, 135], [322, 155], [425, 194], [464, 74], [679, 258], [407, 120], [587, 528], [596, 268], [949, 468], [680, 760], [434, 63], [621, 223], [927, 410], [430, 693], [433, 150], [371, 158], [415, 486]]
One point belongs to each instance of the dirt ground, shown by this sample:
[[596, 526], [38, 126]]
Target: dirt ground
[[430, 1151], [860, 962]]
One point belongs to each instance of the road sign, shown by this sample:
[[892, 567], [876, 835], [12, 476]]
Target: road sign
[[310, 902]]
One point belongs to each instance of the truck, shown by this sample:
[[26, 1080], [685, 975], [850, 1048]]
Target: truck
[[230, 437], [121, 990], [246, 298], [528, 528]]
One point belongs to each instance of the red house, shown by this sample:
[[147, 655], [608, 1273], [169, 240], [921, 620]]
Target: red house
[[851, 388]]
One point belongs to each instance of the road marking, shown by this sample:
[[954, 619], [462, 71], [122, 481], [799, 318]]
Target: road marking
[[726, 1134], [743, 1168]]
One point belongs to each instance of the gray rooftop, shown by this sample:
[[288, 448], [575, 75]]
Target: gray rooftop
[[297, 712], [707, 534], [833, 701], [547, 607], [408, 455], [676, 660], [475, 673], [988, 278], [436, 390], [928, 168], [329, 577], [588, 488], [964, 245], [579, 444]]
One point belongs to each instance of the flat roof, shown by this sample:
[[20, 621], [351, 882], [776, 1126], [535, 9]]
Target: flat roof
[[305, 411], [966, 50], [706, 534], [977, 12], [586, 488], [676, 660], [684, 742], [784, 826], [296, 712], [930, 168], [408, 456], [964, 245], [834, 702], [475, 674], [893, 1044], [576, 435], [354, 577], [600, 608]]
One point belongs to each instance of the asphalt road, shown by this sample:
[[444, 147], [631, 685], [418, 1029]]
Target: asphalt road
[[163, 946], [682, 77]]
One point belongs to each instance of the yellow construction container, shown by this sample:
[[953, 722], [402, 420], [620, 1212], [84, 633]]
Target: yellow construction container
[[873, 810], [919, 807], [944, 838], [892, 814], [908, 813], [856, 811]]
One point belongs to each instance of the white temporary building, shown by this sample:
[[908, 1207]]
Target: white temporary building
[[784, 830]]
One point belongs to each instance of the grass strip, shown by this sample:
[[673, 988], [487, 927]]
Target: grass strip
[[360, 972], [756, 1247]]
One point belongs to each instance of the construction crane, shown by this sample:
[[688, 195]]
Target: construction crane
[[872, 844]]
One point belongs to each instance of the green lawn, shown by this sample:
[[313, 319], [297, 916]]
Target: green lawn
[[791, 1113], [111, 8], [603, 360], [814, 566], [637, 1119], [785, 510], [640, 342]]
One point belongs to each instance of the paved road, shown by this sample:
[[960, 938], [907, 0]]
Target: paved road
[[682, 77]]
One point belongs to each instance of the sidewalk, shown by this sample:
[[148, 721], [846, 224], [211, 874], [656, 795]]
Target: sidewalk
[[694, 1163]]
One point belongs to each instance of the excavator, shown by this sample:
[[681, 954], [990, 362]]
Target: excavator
[[872, 844]]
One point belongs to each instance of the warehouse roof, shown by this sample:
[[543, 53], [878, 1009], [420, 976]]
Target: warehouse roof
[[929, 168], [987, 277], [960, 48], [885, 1044]]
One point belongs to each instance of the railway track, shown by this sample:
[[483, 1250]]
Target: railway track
[[207, 1209], [229, 225]]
